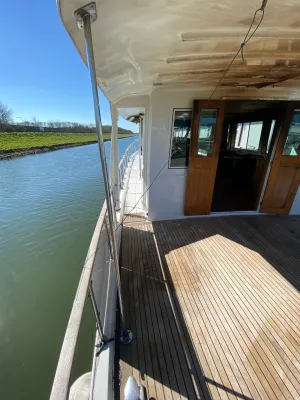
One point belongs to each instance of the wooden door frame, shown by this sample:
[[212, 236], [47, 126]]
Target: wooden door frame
[[282, 124], [278, 157], [272, 149], [196, 162]]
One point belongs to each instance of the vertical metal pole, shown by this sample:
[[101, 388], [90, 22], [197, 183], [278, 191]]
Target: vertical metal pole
[[114, 154], [126, 335], [96, 312], [140, 145]]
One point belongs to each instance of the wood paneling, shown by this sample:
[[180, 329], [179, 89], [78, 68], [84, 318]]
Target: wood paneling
[[214, 307], [202, 170]]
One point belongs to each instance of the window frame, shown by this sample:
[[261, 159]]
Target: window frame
[[171, 136], [246, 149], [214, 137], [296, 110]]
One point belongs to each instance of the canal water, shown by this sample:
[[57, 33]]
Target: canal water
[[49, 205]]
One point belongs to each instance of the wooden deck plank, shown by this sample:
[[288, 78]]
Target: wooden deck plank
[[153, 349], [204, 329], [252, 238], [221, 299], [270, 366], [230, 350], [126, 368], [134, 316], [134, 217], [229, 309], [272, 274], [150, 375], [266, 361], [186, 320], [203, 299], [259, 359], [166, 330], [263, 303]]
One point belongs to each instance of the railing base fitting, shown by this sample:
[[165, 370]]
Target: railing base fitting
[[133, 391], [126, 336]]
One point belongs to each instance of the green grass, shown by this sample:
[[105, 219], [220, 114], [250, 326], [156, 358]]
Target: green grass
[[26, 140]]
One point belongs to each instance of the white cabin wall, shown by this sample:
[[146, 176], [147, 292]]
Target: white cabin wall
[[167, 195], [295, 210]]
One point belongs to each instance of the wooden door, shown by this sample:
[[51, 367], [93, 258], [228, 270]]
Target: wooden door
[[284, 176], [204, 153]]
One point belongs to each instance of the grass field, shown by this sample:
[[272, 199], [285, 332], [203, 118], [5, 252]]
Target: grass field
[[27, 140]]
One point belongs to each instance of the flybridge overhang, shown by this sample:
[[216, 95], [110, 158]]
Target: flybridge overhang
[[132, 114], [144, 46]]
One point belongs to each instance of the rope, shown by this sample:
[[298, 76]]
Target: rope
[[121, 223], [241, 48]]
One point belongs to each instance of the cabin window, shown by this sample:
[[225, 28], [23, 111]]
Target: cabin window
[[248, 135], [181, 137], [292, 143], [207, 131]]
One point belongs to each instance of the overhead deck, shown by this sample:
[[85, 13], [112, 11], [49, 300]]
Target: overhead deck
[[143, 45], [214, 307]]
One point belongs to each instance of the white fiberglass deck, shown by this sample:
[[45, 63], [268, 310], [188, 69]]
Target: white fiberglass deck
[[133, 205]]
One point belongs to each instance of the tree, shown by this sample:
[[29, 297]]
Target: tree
[[5, 115], [35, 122]]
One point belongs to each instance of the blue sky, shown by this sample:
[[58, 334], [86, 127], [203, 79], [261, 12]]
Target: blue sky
[[41, 73]]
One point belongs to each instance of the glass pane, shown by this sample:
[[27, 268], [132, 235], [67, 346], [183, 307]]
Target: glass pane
[[292, 144], [254, 135], [242, 135], [248, 135], [271, 135], [181, 137], [207, 131]]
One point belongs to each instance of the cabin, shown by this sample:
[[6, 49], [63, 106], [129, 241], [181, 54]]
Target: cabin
[[205, 271]]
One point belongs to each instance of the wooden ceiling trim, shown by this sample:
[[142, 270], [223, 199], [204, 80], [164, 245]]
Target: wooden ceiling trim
[[284, 79], [259, 55], [261, 69], [215, 35]]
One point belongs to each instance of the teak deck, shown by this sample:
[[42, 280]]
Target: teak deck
[[214, 307]]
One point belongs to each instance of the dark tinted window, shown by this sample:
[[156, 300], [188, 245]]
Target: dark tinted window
[[181, 136]]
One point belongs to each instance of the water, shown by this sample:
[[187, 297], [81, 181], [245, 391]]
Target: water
[[49, 206]]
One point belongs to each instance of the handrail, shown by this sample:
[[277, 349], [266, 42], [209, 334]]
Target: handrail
[[123, 164], [61, 381], [129, 150], [60, 387]]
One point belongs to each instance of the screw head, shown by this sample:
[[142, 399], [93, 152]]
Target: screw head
[[126, 336]]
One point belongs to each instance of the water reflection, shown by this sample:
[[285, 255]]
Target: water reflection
[[49, 205]]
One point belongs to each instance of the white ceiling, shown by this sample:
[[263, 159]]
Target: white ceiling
[[143, 45]]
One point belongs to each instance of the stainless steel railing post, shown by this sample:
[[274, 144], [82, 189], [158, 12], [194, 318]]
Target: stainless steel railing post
[[96, 312], [126, 335]]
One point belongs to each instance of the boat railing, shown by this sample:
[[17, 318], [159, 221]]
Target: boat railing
[[125, 160], [97, 281]]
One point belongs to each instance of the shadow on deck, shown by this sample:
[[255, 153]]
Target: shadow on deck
[[214, 307]]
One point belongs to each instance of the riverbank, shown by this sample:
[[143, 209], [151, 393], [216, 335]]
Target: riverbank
[[17, 144]]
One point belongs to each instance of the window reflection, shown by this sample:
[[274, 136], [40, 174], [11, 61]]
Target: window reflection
[[207, 131], [271, 135], [181, 136], [292, 144], [248, 135]]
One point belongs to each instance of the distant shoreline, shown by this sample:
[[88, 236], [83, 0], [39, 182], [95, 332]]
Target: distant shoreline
[[21, 152]]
